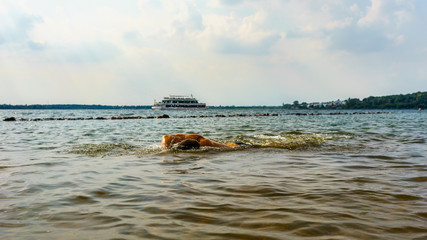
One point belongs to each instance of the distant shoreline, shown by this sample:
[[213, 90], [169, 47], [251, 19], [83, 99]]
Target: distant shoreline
[[107, 107], [69, 107], [416, 100]]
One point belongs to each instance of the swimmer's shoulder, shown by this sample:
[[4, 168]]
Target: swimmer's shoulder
[[196, 137]]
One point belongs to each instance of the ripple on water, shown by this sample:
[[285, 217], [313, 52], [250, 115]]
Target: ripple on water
[[78, 200], [75, 219], [128, 178], [104, 193], [416, 179], [12, 225]]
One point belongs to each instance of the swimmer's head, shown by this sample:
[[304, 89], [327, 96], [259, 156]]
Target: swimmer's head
[[188, 144]]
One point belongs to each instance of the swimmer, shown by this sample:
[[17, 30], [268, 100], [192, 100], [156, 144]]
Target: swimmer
[[193, 141]]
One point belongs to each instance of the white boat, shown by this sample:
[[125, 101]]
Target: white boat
[[178, 102]]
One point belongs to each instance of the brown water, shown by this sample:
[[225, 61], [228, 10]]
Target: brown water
[[310, 177]]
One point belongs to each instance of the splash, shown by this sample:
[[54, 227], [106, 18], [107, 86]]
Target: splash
[[289, 141], [103, 149]]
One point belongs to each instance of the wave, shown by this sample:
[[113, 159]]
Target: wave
[[290, 141]]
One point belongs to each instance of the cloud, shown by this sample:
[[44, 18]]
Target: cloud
[[187, 23], [337, 24], [226, 3], [90, 52], [383, 12], [132, 52], [374, 27], [188, 20], [16, 25], [234, 46], [397, 39], [358, 40], [231, 2], [238, 35], [374, 14], [168, 18], [35, 46]]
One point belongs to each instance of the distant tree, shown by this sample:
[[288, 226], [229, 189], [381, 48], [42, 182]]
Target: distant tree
[[407, 101], [353, 103], [304, 105]]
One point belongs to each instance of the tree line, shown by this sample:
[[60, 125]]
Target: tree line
[[416, 100], [408, 101]]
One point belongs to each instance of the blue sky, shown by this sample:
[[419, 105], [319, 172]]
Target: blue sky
[[224, 52]]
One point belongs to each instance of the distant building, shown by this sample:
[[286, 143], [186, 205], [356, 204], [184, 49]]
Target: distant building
[[331, 104]]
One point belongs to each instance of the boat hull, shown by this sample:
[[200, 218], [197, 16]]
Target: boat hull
[[177, 108]]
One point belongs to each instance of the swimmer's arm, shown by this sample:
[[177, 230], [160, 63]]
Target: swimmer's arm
[[232, 145], [209, 143], [166, 139]]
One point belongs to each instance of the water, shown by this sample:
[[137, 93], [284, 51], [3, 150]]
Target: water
[[310, 177]]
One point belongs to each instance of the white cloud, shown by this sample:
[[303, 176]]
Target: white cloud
[[355, 8], [383, 12], [187, 21], [374, 14], [2, 9], [402, 17], [16, 25], [234, 34], [398, 39], [339, 24], [97, 51]]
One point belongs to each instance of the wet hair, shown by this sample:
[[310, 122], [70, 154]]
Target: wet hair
[[188, 144], [241, 143]]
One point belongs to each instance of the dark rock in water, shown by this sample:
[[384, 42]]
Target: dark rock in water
[[163, 116], [188, 144], [9, 119]]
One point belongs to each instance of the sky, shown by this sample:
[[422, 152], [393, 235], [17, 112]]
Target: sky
[[224, 52]]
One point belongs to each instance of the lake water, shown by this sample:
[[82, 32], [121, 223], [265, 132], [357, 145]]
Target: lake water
[[353, 176]]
